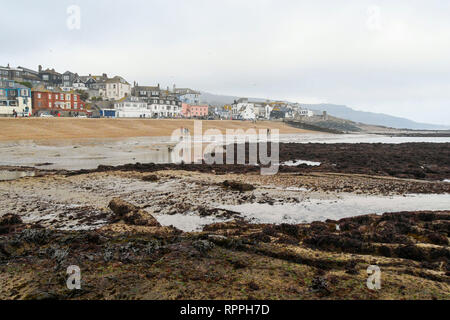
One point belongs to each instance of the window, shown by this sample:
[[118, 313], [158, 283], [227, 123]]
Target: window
[[49, 95], [49, 104], [39, 95], [75, 97], [24, 93], [61, 96], [67, 96], [66, 77], [75, 105], [45, 77], [2, 93]]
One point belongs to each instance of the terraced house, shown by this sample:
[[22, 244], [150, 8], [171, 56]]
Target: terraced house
[[14, 97], [20, 74], [55, 102], [165, 107]]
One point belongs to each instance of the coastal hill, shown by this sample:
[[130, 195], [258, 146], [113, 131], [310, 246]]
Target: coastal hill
[[343, 112]]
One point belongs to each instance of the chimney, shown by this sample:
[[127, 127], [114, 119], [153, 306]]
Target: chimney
[[105, 75], [40, 68]]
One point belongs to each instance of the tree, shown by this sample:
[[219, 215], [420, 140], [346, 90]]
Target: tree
[[83, 94], [26, 84]]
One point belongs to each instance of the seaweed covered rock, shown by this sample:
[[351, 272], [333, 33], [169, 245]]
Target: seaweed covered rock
[[8, 223], [238, 186], [150, 178], [131, 214]]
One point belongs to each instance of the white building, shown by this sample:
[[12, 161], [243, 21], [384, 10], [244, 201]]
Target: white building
[[305, 113], [78, 84], [116, 88], [132, 107], [263, 110], [243, 109], [165, 107]]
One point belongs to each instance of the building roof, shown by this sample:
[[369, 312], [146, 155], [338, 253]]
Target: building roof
[[15, 85], [184, 91], [52, 71], [117, 79], [43, 90], [147, 88]]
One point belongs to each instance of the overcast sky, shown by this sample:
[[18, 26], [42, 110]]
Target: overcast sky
[[381, 56]]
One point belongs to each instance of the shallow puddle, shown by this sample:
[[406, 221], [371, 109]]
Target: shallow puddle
[[187, 223], [344, 207], [6, 175], [299, 162]]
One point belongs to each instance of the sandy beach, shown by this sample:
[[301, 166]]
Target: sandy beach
[[72, 128]]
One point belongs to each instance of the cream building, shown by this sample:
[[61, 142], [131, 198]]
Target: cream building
[[116, 88]]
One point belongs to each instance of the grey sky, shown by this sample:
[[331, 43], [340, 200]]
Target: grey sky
[[379, 56]]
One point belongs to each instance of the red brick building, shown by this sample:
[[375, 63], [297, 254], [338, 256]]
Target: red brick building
[[57, 102]]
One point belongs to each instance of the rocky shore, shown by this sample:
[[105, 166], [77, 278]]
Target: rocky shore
[[148, 231], [233, 260]]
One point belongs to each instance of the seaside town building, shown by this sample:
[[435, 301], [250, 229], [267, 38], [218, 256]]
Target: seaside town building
[[57, 102], [132, 107], [187, 95], [116, 89], [194, 111], [14, 99], [19, 74], [146, 93], [50, 77], [247, 110], [68, 79], [165, 107]]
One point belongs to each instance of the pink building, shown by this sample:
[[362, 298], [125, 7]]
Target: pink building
[[194, 111]]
